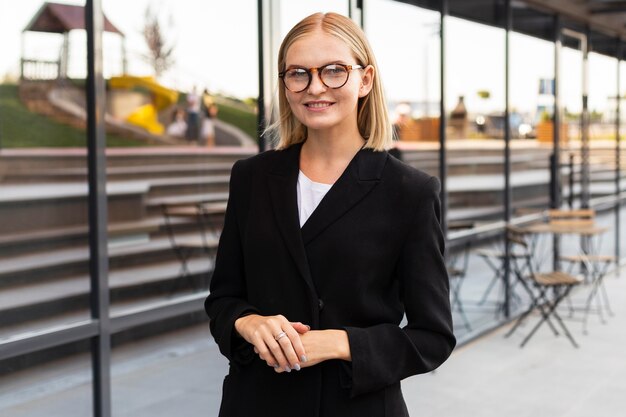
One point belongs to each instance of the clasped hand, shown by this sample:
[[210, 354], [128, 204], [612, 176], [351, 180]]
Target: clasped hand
[[286, 345]]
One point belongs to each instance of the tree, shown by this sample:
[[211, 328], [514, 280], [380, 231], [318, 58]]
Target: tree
[[161, 51]]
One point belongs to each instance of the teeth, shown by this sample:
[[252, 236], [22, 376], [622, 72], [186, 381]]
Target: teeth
[[318, 105]]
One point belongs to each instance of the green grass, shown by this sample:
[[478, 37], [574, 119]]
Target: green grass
[[245, 121], [20, 128]]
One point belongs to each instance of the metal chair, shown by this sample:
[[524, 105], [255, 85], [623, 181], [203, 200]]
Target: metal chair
[[560, 283], [592, 265], [186, 247], [495, 259], [457, 269]]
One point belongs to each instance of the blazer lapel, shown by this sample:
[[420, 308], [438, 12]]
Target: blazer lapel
[[282, 182], [361, 175]]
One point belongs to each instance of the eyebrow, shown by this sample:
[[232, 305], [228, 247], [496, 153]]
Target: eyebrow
[[339, 61]]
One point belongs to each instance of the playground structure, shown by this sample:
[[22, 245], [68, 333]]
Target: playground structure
[[137, 106], [146, 116], [134, 100]]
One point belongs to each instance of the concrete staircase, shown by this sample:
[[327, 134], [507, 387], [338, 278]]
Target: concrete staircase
[[44, 256], [44, 252]]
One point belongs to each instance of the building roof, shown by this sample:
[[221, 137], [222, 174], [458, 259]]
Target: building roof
[[604, 20], [61, 18]]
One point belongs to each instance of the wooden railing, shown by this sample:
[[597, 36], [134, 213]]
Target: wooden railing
[[32, 69]]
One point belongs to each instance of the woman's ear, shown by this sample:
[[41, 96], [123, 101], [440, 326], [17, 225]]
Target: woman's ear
[[367, 80]]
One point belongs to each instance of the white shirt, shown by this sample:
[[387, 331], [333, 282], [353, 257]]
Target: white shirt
[[310, 193]]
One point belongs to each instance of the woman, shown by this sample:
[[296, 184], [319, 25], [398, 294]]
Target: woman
[[307, 309]]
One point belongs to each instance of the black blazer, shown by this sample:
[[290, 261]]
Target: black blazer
[[371, 252]]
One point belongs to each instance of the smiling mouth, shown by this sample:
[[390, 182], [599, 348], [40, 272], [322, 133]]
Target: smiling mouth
[[320, 105]]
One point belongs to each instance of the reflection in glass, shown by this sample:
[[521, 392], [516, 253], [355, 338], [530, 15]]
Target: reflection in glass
[[602, 91], [411, 75], [532, 108], [37, 385], [475, 128], [475, 136], [188, 103], [44, 253]]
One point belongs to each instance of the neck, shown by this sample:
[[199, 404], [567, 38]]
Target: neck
[[324, 157], [329, 146]]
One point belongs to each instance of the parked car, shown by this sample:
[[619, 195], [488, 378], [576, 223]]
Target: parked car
[[492, 125]]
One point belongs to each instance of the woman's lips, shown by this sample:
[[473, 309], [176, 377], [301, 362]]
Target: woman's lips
[[318, 105]]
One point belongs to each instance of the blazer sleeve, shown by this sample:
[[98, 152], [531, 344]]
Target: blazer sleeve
[[385, 354], [227, 300]]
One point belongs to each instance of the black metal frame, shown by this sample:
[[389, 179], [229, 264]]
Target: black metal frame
[[618, 149], [101, 325], [508, 192], [96, 166], [443, 164], [261, 118]]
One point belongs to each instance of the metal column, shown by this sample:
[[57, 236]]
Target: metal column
[[98, 260], [586, 176], [261, 99], [360, 6], [508, 194], [618, 156], [584, 119], [555, 167], [555, 171], [443, 165], [64, 57]]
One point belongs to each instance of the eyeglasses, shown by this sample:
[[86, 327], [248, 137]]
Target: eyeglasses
[[333, 76]]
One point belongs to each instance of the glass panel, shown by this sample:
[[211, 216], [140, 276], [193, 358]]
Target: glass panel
[[175, 373], [475, 151], [571, 92], [409, 58], [602, 90], [44, 254], [170, 177], [532, 107], [475, 131], [36, 385], [182, 120]]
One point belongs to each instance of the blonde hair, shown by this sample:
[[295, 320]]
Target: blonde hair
[[372, 116]]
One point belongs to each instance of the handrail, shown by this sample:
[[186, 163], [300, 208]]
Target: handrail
[[489, 230]]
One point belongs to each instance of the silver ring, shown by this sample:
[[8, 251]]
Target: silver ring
[[279, 335]]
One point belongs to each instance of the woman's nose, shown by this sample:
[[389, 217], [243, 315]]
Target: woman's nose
[[316, 86]]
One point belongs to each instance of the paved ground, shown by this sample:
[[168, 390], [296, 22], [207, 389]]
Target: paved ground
[[180, 374], [492, 376]]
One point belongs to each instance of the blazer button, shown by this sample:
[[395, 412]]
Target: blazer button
[[320, 304]]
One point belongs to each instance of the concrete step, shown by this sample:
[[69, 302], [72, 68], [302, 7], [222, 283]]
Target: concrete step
[[154, 205], [45, 240], [33, 207], [118, 173], [21, 161], [164, 187], [119, 234], [50, 265], [35, 305]]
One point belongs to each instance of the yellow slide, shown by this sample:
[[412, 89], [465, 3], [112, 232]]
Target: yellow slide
[[146, 116]]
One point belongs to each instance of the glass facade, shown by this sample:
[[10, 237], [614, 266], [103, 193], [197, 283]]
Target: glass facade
[[47, 388], [44, 233], [180, 107], [532, 106], [602, 91]]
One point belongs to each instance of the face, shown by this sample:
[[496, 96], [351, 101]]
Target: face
[[318, 107]]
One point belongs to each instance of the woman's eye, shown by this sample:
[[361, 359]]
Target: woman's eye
[[297, 74], [334, 70]]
